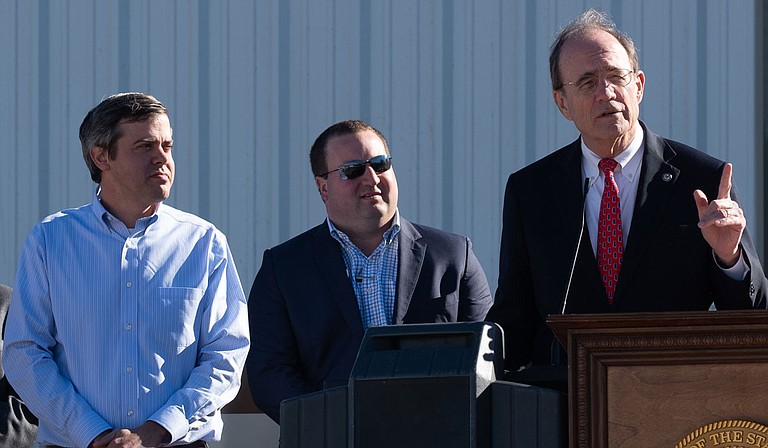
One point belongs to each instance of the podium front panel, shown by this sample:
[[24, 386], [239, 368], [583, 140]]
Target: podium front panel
[[664, 403], [652, 379], [414, 412]]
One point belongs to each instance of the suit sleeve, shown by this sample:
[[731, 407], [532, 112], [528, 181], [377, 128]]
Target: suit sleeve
[[273, 361], [747, 293], [514, 308], [475, 297]]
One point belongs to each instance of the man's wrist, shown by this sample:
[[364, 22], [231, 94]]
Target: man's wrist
[[738, 271], [728, 261], [154, 433]]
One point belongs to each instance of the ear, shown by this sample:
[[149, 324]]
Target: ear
[[322, 187], [561, 103], [100, 157], [640, 83]]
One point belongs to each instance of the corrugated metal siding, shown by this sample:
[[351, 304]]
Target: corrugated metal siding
[[459, 87]]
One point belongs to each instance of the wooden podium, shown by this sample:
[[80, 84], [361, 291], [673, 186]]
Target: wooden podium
[[652, 379]]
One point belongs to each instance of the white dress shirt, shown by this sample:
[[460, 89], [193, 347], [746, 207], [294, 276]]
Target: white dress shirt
[[627, 177]]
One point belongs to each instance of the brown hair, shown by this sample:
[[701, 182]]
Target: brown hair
[[101, 126], [317, 159]]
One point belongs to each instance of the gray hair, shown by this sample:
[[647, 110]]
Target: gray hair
[[591, 19]]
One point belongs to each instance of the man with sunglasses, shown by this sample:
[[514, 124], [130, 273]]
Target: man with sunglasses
[[619, 220], [316, 294]]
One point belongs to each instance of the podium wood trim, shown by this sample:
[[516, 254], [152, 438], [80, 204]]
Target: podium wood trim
[[597, 343]]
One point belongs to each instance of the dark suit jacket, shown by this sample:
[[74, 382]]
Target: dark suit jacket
[[305, 322], [18, 427], [667, 266]]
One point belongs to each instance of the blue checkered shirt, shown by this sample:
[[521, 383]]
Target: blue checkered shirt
[[373, 278]]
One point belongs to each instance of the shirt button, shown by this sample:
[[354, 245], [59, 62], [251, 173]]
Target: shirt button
[[130, 413], [129, 369], [128, 285], [128, 327]]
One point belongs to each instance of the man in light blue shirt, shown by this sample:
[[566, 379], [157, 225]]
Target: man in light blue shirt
[[128, 326]]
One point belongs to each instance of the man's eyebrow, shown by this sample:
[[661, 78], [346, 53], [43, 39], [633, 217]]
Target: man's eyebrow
[[586, 74], [147, 140], [608, 69]]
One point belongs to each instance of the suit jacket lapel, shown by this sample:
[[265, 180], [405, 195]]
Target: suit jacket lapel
[[333, 271], [410, 255], [587, 287], [655, 188], [572, 197]]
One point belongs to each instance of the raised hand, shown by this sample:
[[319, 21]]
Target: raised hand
[[722, 221]]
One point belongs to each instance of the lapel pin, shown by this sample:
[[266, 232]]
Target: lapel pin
[[666, 177]]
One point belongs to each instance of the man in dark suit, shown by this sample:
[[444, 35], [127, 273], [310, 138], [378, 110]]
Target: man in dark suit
[[645, 237], [316, 294]]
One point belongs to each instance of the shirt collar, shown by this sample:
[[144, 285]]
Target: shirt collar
[[389, 235], [629, 160], [111, 221]]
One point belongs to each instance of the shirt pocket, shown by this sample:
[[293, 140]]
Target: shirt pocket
[[175, 316]]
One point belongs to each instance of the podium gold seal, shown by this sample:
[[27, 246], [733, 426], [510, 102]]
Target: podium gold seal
[[727, 433]]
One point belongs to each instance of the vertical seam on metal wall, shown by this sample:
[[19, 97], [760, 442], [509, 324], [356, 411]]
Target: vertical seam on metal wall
[[448, 115], [701, 79], [531, 141], [204, 110], [43, 114], [365, 60], [284, 118]]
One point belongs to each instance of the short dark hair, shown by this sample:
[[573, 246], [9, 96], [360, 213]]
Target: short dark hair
[[317, 156], [101, 126], [590, 19]]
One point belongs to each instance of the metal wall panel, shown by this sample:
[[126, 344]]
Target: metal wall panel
[[459, 87]]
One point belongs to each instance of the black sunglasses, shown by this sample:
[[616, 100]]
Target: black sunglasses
[[355, 168]]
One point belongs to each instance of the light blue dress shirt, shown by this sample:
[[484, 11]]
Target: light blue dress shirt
[[110, 327]]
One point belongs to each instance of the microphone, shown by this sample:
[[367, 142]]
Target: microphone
[[578, 245]]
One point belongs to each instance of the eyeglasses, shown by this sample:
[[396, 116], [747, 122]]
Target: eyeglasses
[[355, 168], [588, 83]]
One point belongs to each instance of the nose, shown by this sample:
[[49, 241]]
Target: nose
[[370, 176], [605, 90], [161, 155]]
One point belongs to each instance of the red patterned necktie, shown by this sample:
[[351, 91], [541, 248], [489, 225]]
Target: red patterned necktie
[[610, 248]]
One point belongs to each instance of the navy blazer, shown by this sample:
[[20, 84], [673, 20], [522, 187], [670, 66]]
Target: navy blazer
[[667, 265], [305, 321]]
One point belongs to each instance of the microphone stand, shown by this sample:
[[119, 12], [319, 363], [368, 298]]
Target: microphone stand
[[554, 352]]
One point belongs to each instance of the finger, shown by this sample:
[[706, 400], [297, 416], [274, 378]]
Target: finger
[[103, 439], [701, 202], [724, 191]]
